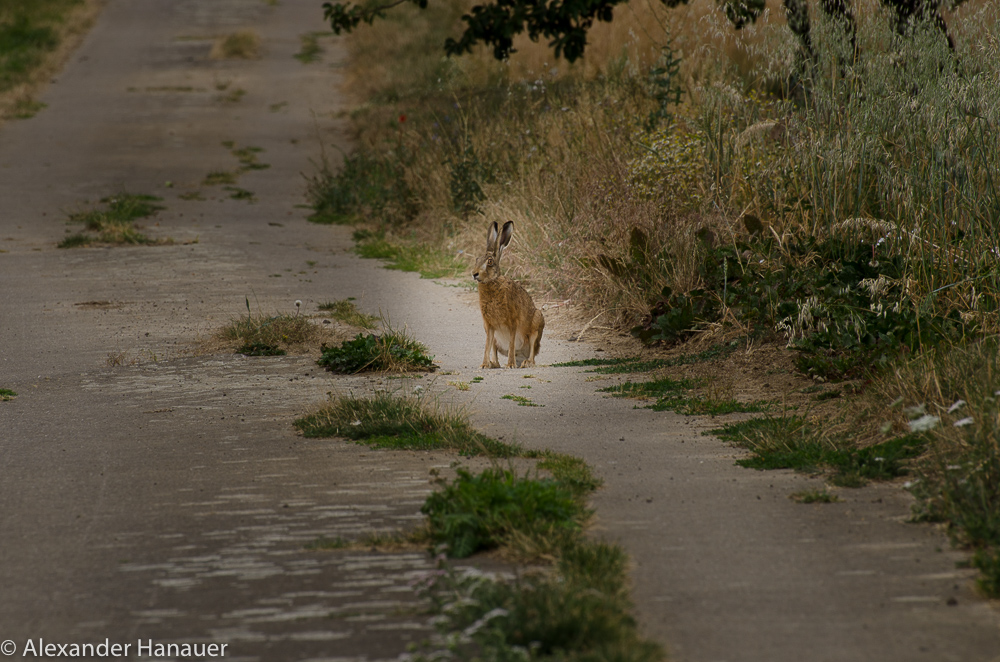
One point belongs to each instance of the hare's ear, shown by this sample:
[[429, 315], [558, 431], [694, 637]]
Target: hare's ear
[[505, 234], [491, 238]]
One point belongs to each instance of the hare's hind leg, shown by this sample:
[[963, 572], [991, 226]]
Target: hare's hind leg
[[495, 363], [534, 338], [512, 349], [530, 361]]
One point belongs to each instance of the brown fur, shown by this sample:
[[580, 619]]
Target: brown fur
[[509, 314]]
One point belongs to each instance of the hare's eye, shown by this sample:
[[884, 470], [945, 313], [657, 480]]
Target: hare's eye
[[489, 260]]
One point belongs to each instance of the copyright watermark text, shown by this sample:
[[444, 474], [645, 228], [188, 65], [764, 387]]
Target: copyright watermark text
[[141, 648]]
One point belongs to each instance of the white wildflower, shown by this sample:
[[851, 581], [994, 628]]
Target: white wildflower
[[924, 423], [968, 420]]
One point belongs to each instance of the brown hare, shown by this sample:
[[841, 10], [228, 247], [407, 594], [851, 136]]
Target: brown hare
[[513, 325]]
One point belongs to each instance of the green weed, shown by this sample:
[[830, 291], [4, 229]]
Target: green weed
[[311, 50], [792, 442], [663, 389], [242, 45], [987, 561], [480, 512], [267, 335], [520, 400], [7, 394], [25, 108], [570, 471], [675, 395], [260, 349], [247, 156], [219, 177], [323, 543], [76, 240], [237, 193], [392, 351], [347, 312], [115, 222], [637, 364], [234, 95], [428, 261], [28, 33], [815, 496], [577, 611], [365, 186], [389, 420]]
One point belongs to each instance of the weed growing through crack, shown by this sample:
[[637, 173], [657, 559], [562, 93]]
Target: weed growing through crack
[[242, 45], [578, 610], [814, 496], [6, 394], [638, 364], [793, 442], [390, 420], [234, 95], [580, 606], [247, 156], [219, 178], [237, 193], [346, 311], [115, 222], [325, 543], [480, 512], [267, 335], [428, 261], [311, 50], [520, 400], [391, 351], [676, 395]]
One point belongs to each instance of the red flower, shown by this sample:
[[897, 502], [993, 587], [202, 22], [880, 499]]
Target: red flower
[[402, 118]]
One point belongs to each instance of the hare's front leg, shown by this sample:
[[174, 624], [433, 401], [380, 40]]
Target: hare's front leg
[[490, 344]]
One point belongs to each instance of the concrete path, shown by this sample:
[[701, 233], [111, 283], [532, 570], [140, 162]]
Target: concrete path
[[169, 499]]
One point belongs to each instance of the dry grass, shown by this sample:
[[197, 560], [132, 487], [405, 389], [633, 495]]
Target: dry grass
[[242, 45]]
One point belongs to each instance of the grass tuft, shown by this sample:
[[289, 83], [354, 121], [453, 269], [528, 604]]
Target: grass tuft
[[392, 351], [520, 400], [242, 45], [115, 222], [480, 512], [579, 610], [346, 311], [311, 50], [792, 442], [268, 335], [428, 261], [389, 420], [815, 496], [6, 394]]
